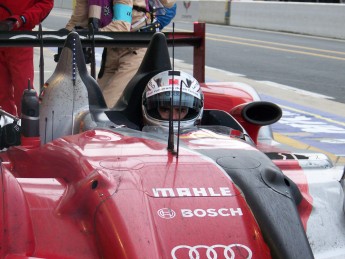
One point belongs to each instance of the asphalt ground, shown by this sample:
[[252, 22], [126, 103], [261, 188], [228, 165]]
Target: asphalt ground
[[310, 121]]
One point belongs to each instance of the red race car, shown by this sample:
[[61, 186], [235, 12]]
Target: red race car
[[85, 181]]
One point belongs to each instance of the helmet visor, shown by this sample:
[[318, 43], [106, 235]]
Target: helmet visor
[[165, 99]]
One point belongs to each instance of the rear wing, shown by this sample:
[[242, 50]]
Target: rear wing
[[195, 39]]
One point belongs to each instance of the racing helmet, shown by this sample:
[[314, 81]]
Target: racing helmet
[[172, 87]]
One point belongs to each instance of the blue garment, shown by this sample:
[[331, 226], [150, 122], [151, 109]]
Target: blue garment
[[164, 20], [122, 12]]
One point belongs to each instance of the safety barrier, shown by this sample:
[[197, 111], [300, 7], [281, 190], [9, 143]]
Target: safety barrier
[[317, 19]]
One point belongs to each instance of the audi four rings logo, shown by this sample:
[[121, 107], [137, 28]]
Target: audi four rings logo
[[166, 213], [211, 252]]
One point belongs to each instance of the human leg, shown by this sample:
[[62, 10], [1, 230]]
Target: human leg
[[110, 64], [6, 87], [129, 62], [22, 70]]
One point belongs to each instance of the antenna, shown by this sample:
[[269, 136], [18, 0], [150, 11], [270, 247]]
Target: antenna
[[93, 59], [179, 110], [53, 124], [179, 120], [74, 75], [45, 129], [171, 123], [173, 48], [40, 36]]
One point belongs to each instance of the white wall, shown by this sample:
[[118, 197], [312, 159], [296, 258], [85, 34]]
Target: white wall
[[325, 20], [66, 4]]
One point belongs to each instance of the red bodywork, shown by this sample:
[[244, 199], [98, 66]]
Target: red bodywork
[[100, 194], [103, 194], [106, 194]]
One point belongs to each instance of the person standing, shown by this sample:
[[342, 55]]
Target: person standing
[[118, 64], [17, 63]]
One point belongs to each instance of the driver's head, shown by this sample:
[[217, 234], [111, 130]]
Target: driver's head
[[172, 93], [176, 113]]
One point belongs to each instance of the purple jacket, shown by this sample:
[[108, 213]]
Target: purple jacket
[[107, 10]]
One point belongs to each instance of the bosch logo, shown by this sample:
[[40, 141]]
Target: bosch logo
[[200, 213], [166, 213], [211, 252]]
